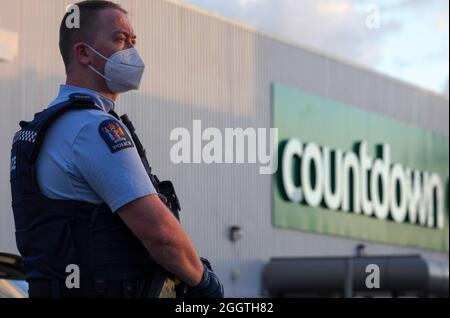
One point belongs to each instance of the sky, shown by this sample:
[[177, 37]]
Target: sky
[[405, 39]]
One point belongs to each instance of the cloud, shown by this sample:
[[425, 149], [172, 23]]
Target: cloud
[[410, 4], [246, 3], [336, 27], [334, 8]]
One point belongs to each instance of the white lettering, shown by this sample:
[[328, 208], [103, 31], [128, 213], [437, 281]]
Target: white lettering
[[340, 181]]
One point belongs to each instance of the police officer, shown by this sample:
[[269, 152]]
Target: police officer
[[81, 194]]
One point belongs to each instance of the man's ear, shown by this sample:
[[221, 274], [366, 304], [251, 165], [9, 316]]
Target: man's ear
[[82, 54]]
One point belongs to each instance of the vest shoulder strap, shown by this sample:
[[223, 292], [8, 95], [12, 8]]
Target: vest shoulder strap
[[32, 134]]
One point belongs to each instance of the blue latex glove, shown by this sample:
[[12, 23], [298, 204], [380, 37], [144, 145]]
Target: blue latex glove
[[210, 285]]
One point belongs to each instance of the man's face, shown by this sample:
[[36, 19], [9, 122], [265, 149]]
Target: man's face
[[114, 33]]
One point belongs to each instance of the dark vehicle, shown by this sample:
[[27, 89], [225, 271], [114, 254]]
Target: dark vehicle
[[12, 277]]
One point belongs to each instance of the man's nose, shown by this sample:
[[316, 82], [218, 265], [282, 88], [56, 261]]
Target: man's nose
[[129, 44]]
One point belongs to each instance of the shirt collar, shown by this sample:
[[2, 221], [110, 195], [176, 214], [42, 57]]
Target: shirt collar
[[101, 101]]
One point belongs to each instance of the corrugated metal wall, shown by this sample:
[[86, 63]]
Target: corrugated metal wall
[[204, 67]]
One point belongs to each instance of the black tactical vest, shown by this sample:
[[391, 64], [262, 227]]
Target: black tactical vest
[[52, 234]]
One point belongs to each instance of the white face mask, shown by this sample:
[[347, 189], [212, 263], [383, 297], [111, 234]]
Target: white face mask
[[123, 70]]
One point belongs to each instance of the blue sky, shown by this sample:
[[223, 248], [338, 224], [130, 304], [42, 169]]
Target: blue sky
[[411, 42]]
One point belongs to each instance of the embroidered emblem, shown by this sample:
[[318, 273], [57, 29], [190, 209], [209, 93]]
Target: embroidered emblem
[[115, 136]]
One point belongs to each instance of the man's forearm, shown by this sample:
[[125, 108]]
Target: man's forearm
[[175, 252], [164, 238]]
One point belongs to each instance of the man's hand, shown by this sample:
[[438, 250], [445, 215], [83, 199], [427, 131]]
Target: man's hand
[[210, 285]]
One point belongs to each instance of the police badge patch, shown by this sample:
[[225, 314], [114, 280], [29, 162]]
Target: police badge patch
[[115, 136]]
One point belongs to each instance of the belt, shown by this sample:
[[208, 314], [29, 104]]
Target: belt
[[90, 289]]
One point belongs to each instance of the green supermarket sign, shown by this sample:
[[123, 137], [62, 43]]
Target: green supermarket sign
[[347, 172]]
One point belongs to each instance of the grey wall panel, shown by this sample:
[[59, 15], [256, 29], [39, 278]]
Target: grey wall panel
[[203, 67]]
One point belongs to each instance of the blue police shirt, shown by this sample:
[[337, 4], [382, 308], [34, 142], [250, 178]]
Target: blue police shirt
[[81, 160]]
